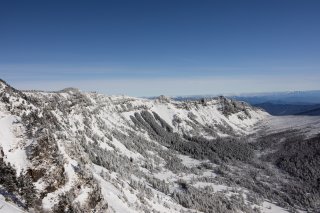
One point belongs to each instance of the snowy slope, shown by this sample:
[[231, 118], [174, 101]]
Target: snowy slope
[[6, 207], [13, 142], [90, 152]]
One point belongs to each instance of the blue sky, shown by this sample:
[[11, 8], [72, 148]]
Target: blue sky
[[154, 47]]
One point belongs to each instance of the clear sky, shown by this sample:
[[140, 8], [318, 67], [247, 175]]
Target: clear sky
[[154, 47]]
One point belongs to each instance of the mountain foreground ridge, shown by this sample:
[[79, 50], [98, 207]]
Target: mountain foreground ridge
[[72, 151]]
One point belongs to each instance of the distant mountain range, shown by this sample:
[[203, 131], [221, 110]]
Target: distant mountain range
[[294, 97], [290, 109], [286, 103], [310, 112], [276, 103]]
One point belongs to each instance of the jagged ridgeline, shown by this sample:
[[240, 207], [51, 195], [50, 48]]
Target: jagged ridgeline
[[70, 151]]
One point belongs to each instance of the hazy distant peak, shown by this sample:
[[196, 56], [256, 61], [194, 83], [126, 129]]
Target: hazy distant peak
[[163, 99], [70, 90]]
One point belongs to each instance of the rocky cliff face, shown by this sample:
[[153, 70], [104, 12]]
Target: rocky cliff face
[[70, 151]]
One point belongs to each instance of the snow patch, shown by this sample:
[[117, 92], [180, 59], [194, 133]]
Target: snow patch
[[12, 145], [6, 207]]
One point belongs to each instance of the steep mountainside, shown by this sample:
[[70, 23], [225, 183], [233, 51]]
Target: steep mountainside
[[70, 151]]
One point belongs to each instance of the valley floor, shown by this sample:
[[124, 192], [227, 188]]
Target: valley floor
[[309, 125]]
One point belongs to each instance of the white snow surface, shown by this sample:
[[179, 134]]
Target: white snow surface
[[11, 141], [6, 207], [268, 207]]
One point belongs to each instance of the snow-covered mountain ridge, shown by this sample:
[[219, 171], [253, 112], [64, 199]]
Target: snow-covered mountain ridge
[[70, 151]]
